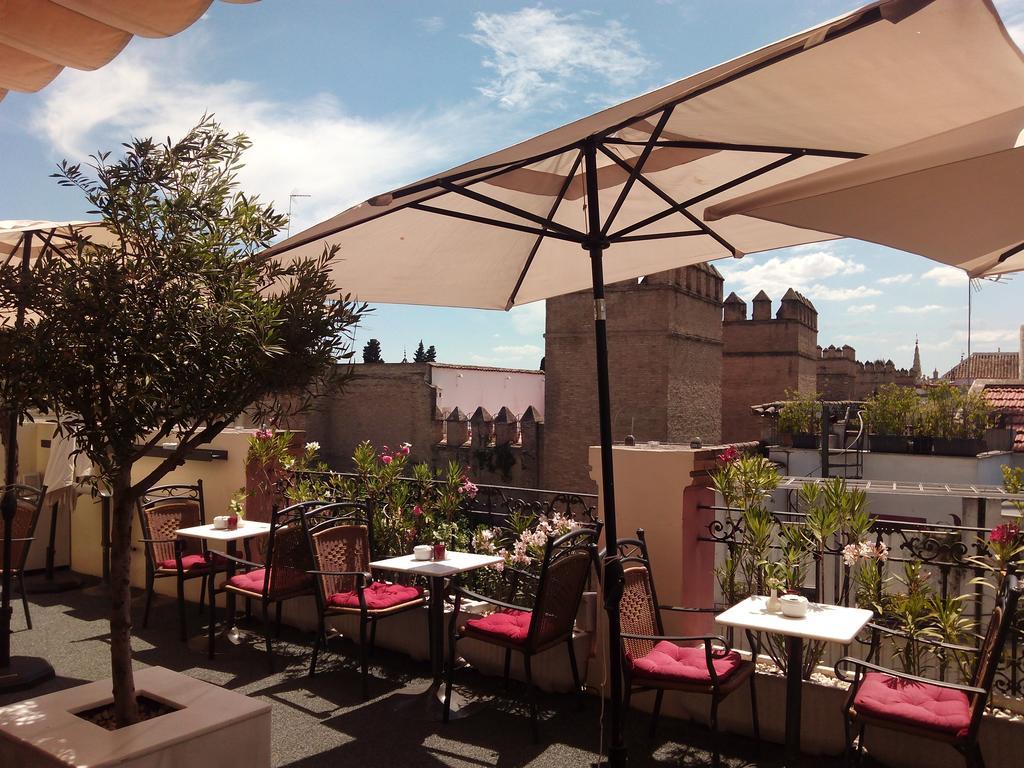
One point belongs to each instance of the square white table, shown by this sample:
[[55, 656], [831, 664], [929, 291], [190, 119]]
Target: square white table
[[454, 564], [829, 623], [247, 529]]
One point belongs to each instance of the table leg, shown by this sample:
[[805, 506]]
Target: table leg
[[437, 629], [794, 692]]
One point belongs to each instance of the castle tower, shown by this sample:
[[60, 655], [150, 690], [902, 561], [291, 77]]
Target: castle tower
[[665, 366], [764, 357]]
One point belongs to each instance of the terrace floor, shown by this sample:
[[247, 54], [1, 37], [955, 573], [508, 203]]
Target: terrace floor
[[323, 722]]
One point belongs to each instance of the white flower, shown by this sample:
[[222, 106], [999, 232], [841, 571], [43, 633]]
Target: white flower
[[882, 551], [851, 554], [312, 447]]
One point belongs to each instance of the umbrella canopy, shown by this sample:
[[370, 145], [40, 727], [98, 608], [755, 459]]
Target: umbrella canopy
[[956, 197], [622, 193], [59, 235], [38, 38], [506, 229]]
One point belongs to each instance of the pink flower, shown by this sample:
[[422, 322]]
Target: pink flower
[[386, 458], [851, 554], [404, 450], [417, 511], [468, 488], [729, 454], [1003, 533], [264, 434]]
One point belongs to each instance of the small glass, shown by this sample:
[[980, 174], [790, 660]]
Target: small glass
[[439, 551]]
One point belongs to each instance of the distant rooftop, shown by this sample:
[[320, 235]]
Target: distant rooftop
[[986, 365]]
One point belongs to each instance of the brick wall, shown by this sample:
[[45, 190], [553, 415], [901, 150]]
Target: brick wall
[[665, 366], [764, 357]]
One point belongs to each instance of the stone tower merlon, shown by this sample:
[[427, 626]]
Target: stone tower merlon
[[762, 306], [735, 307], [796, 306]]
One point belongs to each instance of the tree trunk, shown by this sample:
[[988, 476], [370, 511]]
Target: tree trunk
[[126, 708]]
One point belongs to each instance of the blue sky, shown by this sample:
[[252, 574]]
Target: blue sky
[[344, 100]]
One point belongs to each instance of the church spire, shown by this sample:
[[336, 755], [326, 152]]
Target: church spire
[[916, 367]]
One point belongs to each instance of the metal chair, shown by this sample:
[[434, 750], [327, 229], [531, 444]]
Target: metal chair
[[162, 511], [340, 541], [23, 530], [565, 570], [934, 709], [282, 575], [655, 661]]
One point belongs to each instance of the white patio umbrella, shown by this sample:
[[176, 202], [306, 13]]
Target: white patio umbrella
[[38, 38], [956, 197], [622, 193]]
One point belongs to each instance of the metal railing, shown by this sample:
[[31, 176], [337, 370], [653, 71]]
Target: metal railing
[[947, 552]]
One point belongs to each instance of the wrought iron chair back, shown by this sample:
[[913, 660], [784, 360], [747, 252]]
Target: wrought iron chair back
[[999, 626], [162, 511], [639, 603], [339, 538], [287, 555], [568, 561]]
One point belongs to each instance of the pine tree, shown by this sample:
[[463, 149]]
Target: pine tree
[[431, 354], [371, 352], [420, 355]]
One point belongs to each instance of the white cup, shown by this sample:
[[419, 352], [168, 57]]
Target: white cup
[[794, 606], [220, 522], [422, 552]]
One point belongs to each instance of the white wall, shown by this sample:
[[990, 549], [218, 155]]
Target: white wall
[[468, 388], [953, 470]]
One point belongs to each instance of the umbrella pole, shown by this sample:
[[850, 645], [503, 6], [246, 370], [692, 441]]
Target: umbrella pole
[[613, 576], [17, 672]]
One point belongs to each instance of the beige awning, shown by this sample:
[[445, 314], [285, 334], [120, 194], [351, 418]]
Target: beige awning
[[508, 228], [59, 235], [956, 197], [38, 38]]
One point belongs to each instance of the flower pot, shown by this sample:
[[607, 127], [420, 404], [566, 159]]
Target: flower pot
[[889, 443], [922, 445], [805, 440], [959, 446]]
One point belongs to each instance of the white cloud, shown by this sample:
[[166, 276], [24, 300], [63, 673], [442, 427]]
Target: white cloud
[[895, 280], [805, 270], [431, 24], [993, 336], [923, 309], [536, 53], [529, 319], [946, 277], [861, 309], [511, 356], [310, 145]]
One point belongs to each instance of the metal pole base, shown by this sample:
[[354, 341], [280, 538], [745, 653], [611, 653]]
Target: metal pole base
[[24, 672]]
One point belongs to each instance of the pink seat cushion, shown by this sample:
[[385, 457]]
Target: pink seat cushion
[[507, 624], [252, 581], [379, 595], [918, 704], [191, 563], [684, 664]]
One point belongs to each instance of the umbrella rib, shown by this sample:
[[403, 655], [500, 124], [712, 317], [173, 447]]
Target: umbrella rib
[[540, 238], [701, 197], [1012, 252], [507, 208], [726, 146], [572, 238], [660, 236], [638, 168]]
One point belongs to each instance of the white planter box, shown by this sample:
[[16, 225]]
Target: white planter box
[[213, 726]]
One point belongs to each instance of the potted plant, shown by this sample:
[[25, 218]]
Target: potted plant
[[178, 329], [960, 420], [889, 412], [800, 417]]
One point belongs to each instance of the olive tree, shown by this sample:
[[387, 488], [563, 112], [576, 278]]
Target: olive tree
[[180, 328]]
